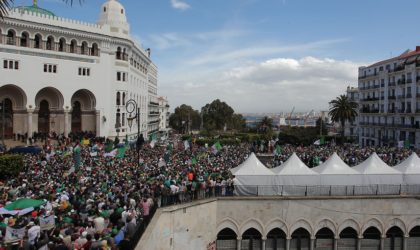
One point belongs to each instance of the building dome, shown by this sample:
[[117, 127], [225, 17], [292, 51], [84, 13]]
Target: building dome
[[113, 14], [34, 9]]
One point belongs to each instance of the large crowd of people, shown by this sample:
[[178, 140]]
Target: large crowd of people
[[103, 199]]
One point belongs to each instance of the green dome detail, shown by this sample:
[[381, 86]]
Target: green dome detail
[[35, 9]]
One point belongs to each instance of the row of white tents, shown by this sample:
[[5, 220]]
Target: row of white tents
[[373, 172]]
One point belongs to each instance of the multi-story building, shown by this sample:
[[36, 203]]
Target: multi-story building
[[153, 115], [390, 101], [351, 128], [164, 114], [61, 75]]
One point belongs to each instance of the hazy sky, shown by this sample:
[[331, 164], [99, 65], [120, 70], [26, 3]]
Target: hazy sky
[[261, 55]]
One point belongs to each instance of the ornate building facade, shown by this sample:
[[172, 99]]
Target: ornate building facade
[[60, 75]]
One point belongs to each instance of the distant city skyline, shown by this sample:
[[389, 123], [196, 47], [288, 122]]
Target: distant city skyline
[[261, 56]]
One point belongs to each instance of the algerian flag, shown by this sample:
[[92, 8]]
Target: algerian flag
[[194, 161], [153, 140], [24, 203], [121, 152], [216, 147], [277, 151]]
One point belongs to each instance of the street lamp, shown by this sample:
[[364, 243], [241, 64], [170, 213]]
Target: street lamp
[[133, 112]]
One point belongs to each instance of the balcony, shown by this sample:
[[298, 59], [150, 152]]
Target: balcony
[[369, 99], [408, 111], [392, 97], [154, 103], [418, 111], [401, 96], [401, 111], [401, 81], [409, 80], [391, 84], [408, 95], [399, 68], [376, 86], [369, 111], [382, 97]]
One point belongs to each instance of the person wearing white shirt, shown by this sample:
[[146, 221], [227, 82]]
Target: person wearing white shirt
[[33, 233]]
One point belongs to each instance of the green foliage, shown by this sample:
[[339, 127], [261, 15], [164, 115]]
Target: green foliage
[[218, 115], [299, 135], [185, 119], [342, 110], [265, 126], [10, 165]]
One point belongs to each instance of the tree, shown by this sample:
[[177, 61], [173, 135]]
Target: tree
[[217, 115], [265, 125], [342, 109], [238, 122], [185, 119]]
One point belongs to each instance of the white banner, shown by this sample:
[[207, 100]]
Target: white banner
[[14, 234], [47, 223]]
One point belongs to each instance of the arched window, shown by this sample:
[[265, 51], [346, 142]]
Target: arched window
[[123, 98], [118, 99], [73, 46], [24, 38], [118, 55], [37, 41], [11, 37], [118, 120], [84, 48], [50, 43], [94, 50], [62, 45]]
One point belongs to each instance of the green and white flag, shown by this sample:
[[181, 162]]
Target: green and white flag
[[277, 152], [216, 147]]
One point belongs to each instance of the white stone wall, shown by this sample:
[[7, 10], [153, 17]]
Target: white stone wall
[[195, 225]]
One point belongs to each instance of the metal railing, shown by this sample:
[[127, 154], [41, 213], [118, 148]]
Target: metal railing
[[349, 190]]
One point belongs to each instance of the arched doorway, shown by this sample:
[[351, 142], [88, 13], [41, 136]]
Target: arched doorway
[[276, 240], [49, 109], [83, 115], [15, 110], [348, 239], [371, 239], [413, 242], [301, 239], [226, 240], [44, 117], [394, 239], [324, 239], [6, 116], [76, 117], [251, 240]]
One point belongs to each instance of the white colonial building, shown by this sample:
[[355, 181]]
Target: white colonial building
[[389, 101], [61, 75], [164, 114]]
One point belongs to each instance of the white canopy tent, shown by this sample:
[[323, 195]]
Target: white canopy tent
[[375, 172], [336, 172], [295, 172], [410, 168], [251, 177]]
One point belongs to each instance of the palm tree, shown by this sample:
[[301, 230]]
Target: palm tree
[[5, 6], [265, 125], [342, 109]]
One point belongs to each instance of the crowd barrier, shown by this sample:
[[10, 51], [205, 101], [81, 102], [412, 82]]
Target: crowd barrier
[[265, 190]]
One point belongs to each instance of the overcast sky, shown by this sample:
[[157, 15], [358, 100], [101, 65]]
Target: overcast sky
[[261, 55]]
